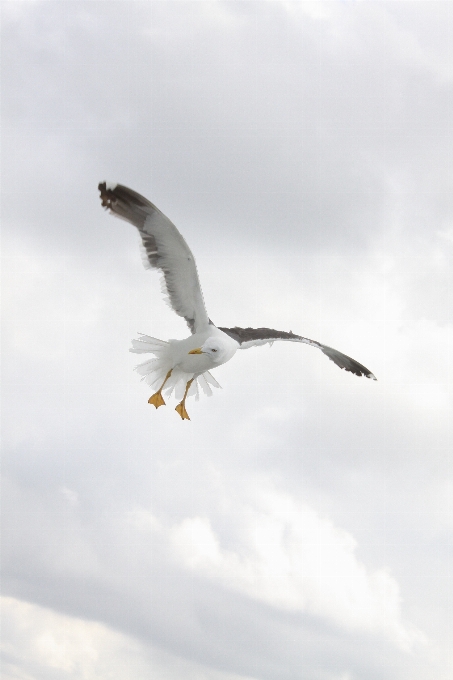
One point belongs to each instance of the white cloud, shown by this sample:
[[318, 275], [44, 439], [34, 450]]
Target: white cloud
[[293, 559], [40, 643]]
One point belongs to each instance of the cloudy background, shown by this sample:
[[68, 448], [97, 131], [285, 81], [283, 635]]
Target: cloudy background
[[299, 527]]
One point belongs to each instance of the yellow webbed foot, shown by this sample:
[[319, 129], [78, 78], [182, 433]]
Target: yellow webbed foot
[[156, 400], [181, 409]]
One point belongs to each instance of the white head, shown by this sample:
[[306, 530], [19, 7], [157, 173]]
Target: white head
[[218, 349]]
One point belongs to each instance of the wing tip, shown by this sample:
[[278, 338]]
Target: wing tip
[[106, 189], [359, 372], [366, 373], [107, 186]]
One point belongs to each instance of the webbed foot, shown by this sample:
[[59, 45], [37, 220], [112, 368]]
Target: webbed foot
[[157, 400], [181, 409]]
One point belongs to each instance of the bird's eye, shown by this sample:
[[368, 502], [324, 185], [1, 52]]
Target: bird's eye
[[214, 350]]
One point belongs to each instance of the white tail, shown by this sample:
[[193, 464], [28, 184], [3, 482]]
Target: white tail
[[148, 344]]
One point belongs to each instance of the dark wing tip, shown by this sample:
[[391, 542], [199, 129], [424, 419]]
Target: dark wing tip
[[126, 204], [113, 194], [346, 363], [107, 191]]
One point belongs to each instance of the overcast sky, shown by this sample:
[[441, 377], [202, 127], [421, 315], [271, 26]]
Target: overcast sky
[[299, 526]]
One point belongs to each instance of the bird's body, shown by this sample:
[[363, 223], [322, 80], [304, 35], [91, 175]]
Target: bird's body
[[183, 359], [185, 365]]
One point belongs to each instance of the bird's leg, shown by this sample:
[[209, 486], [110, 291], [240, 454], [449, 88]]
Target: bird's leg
[[181, 407], [157, 398]]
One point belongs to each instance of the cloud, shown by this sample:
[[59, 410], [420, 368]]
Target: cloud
[[38, 642], [293, 559], [81, 474], [300, 522]]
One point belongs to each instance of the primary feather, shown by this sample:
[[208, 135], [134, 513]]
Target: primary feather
[[164, 249]]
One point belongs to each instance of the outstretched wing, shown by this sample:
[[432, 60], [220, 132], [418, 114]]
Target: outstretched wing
[[251, 337], [164, 249]]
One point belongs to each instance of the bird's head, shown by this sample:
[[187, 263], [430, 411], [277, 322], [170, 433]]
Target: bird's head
[[217, 349]]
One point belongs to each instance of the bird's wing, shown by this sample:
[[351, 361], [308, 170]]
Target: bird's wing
[[251, 337], [164, 249]]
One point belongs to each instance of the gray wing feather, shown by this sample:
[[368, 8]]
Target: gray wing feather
[[252, 337], [163, 248]]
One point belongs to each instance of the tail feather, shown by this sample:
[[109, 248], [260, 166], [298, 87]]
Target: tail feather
[[204, 385], [211, 380], [148, 344], [193, 390], [147, 366]]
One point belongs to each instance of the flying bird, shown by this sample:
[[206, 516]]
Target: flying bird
[[185, 365]]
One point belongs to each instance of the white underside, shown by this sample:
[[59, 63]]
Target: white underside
[[153, 371]]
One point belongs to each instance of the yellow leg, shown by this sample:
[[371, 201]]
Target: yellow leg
[[181, 407], [157, 398]]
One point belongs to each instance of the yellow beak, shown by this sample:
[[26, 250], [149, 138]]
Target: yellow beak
[[196, 351]]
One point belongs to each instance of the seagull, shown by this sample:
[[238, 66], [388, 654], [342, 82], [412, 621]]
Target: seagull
[[185, 365]]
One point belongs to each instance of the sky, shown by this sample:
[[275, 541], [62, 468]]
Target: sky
[[299, 526]]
